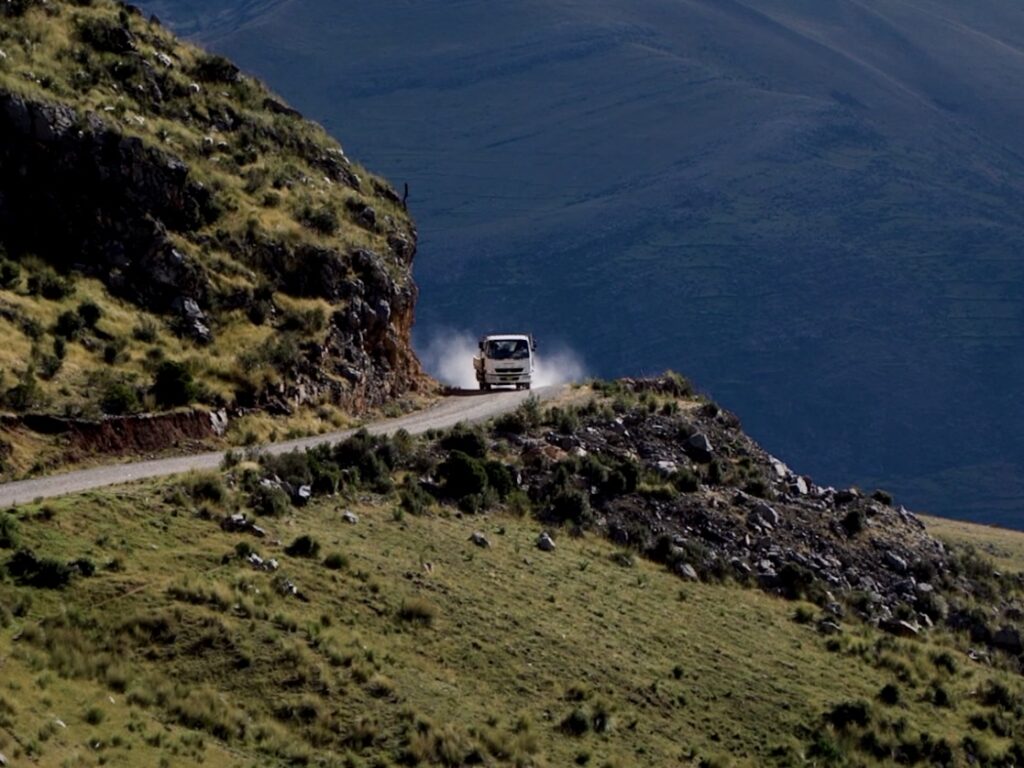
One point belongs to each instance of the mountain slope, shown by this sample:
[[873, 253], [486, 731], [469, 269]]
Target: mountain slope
[[171, 232], [815, 208], [405, 614]]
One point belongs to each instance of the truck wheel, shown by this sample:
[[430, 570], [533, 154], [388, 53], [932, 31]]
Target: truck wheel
[[484, 386], [526, 386]]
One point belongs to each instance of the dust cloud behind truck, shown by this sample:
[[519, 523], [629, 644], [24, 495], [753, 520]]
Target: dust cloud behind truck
[[506, 359]]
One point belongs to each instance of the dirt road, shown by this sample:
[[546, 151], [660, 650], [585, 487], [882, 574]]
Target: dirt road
[[447, 413]]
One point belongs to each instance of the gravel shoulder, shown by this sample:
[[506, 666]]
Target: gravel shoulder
[[468, 407]]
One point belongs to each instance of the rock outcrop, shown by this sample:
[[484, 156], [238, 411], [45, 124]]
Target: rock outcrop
[[204, 203]]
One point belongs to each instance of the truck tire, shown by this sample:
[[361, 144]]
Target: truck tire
[[484, 386]]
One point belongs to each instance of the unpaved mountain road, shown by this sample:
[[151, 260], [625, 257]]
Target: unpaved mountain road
[[468, 407]]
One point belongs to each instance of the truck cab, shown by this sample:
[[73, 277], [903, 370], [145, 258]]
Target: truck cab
[[505, 360]]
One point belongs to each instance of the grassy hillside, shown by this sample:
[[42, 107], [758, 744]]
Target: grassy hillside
[[395, 640], [173, 233], [808, 203]]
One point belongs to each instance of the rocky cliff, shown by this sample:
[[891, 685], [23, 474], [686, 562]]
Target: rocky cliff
[[171, 232]]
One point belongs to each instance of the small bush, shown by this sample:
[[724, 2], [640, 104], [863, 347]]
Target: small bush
[[49, 285], [576, 723], [854, 522], [146, 332], [462, 476], [90, 313], [569, 505], [803, 615], [418, 610], [118, 398], [10, 275], [500, 478], [303, 546], [336, 561], [206, 486], [173, 385], [686, 481], [10, 536], [69, 325], [269, 501], [323, 219], [883, 497], [94, 716], [890, 694], [44, 573], [465, 440], [849, 713]]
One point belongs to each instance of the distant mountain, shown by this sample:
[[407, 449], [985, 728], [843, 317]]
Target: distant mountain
[[816, 209]]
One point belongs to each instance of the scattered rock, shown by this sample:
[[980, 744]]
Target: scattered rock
[[899, 628], [764, 514], [1008, 639], [829, 627], [545, 543], [895, 562], [687, 571]]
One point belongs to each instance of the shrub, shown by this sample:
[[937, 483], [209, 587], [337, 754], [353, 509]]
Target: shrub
[[49, 285], [69, 325], [686, 481], [500, 478], [576, 723], [322, 219], [803, 615], [418, 610], [883, 497], [890, 694], [462, 476], [94, 716], [304, 546], [10, 274], [10, 537], [118, 398], [90, 313], [146, 332], [848, 713], [173, 385], [854, 522], [269, 501], [465, 440], [206, 486], [26, 394], [569, 505], [413, 498], [44, 573], [795, 581], [336, 561]]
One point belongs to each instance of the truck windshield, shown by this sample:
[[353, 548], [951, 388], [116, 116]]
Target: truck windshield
[[508, 349]]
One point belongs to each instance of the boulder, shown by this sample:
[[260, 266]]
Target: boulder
[[687, 571], [895, 562], [545, 543], [899, 628], [350, 517], [479, 539], [1008, 639], [699, 447], [764, 514]]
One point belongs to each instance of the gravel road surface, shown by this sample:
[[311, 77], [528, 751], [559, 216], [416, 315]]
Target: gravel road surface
[[469, 407]]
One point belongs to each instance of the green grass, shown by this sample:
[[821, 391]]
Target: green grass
[[425, 649]]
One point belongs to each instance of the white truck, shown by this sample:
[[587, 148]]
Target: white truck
[[505, 359]]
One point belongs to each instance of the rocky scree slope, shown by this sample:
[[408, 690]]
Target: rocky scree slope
[[674, 477], [172, 232]]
